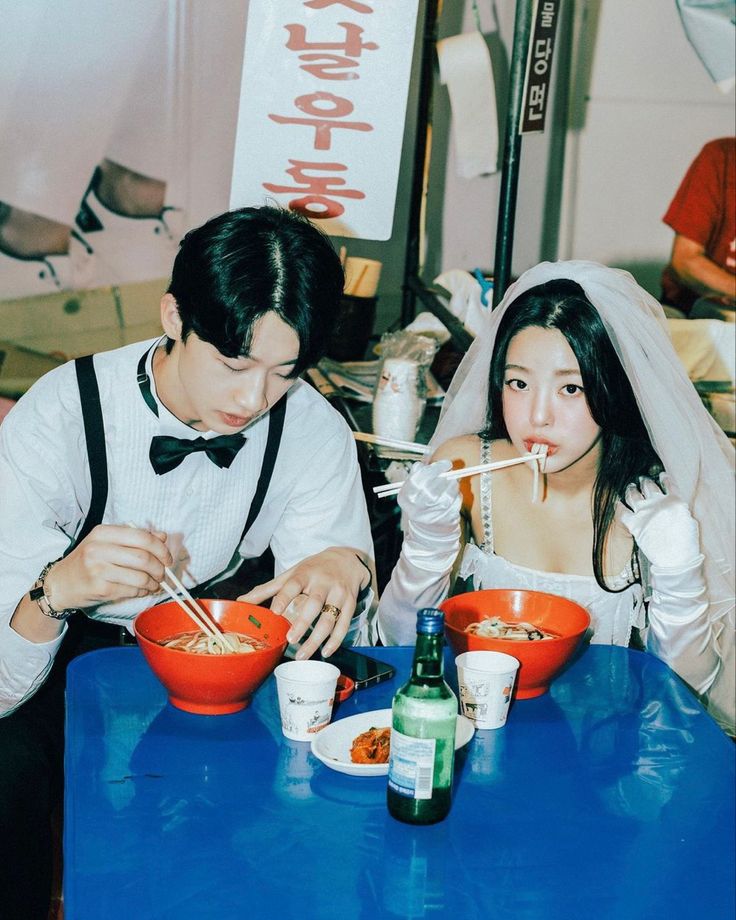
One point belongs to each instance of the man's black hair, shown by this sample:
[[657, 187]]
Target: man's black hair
[[242, 264]]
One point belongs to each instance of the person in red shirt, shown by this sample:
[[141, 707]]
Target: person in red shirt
[[703, 216]]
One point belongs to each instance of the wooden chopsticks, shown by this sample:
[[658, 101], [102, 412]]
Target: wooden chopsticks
[[536, 457], [411, 447], [195, 611]]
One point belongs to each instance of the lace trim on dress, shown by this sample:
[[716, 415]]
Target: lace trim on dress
[[486, 513]]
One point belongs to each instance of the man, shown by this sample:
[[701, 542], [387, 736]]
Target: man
[[703, 216], [193, 452]]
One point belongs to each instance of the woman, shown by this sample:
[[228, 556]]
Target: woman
[[577, 357]]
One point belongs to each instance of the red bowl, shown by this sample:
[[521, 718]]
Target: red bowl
[[539, 661], [211, 684]]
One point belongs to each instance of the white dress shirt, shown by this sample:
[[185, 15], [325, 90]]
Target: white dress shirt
[[315, 498]]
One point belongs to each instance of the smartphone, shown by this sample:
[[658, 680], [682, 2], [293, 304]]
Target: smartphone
[[363, 669]]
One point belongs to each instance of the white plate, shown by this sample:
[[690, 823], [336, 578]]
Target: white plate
[[332, 745]]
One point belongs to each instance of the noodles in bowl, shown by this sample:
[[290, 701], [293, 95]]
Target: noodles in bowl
[[496, 628], [200, 677], [199, 643], [498, 620]]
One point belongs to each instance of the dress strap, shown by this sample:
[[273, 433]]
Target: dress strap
[[486, 515]]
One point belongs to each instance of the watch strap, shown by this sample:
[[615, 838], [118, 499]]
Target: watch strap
[[39, 595]]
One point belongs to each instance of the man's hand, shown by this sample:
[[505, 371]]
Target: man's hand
[[698, 272], [331, 579], [111, 564]]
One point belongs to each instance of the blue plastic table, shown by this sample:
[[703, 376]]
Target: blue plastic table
[[612, 796]]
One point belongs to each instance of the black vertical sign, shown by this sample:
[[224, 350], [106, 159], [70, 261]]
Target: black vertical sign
[[539, 66]]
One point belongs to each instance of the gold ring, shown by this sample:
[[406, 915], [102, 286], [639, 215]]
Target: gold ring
[[332, 610]]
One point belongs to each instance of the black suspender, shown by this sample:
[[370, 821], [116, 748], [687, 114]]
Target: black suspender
[[94, 432], [275, 428], [273, 439], [144, 384]]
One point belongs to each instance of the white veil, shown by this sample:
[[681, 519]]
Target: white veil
[[695, 452]]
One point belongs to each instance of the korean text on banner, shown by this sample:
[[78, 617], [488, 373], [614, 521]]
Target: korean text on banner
[[539, 66], [322, 107]]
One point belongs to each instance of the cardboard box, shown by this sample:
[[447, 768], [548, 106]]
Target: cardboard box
[[44, 331], [20, 367]]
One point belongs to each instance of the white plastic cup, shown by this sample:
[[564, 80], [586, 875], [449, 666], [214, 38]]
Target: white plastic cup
[[485, 681], [397, 405], [306, 692]]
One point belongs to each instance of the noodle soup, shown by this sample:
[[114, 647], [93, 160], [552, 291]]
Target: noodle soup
[[496, 628], [199, 678], [199, 643], [550, 630]]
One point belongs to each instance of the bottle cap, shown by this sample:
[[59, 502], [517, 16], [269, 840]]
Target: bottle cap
[[430, 621]]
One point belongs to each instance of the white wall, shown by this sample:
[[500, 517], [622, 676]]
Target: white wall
[[651, 106], [644, 105]]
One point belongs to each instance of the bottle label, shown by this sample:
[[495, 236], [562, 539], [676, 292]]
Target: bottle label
[[411, 765]]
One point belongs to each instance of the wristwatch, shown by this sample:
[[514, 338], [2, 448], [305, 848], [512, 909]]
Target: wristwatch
[[39, 595]]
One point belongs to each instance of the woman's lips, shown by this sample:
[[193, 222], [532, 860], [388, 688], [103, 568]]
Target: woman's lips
[[530, 442], [234, 421]]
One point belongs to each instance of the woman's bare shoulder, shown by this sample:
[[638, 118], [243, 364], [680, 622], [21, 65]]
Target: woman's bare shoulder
[[465, 448], [502, 449]]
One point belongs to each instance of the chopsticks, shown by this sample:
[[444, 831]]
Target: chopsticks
[[537, 457], [356, 286], [195, 611], [410, 447]]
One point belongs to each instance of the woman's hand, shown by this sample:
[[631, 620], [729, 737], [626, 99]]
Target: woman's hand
[[661, 523], [431, 520], [431, 503], [112, 563], [320, 591], [679, 629]]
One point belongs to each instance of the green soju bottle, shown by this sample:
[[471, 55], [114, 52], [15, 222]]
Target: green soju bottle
[[424, 716]]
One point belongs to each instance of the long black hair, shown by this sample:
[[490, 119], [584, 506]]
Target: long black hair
[[242, 264], [626, 452]]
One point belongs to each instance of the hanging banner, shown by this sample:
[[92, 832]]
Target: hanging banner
[[539, 67], [322, 107]]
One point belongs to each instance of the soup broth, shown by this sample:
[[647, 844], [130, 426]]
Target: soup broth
[[200, 643], [496, 628]]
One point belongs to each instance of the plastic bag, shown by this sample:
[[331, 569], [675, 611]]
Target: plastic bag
[[412, 347]]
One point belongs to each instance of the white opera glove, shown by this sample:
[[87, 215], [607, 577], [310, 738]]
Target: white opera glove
[[667, 534], [661, 524], [430, 506]]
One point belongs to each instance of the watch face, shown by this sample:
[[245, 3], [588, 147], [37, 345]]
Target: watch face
[[38, 595]]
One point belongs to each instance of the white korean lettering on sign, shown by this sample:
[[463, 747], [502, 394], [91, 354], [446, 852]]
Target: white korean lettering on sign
[[539, 66], [322, 107]]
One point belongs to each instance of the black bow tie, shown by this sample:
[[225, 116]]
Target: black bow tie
[[167, 453]]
